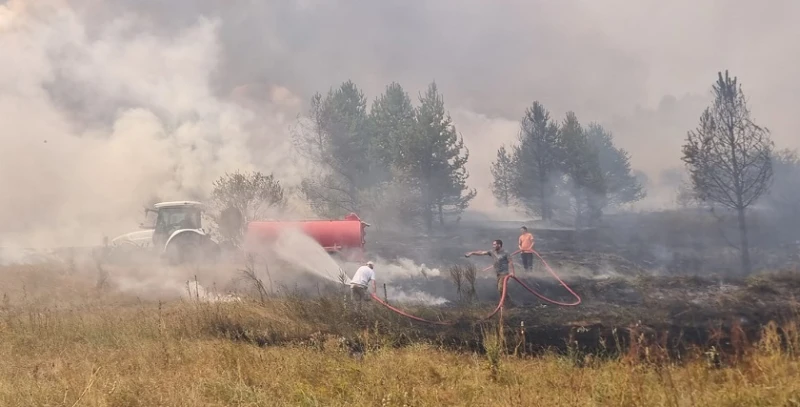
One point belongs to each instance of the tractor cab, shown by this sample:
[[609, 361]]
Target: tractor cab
[[174, 231], [174, 216]]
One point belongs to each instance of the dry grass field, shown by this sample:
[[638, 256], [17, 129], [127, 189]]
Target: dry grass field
[[66, 342]]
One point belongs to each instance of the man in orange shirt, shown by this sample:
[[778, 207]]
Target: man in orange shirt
[[526, 248]]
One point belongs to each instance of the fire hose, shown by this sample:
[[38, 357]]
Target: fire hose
[[507, 277]]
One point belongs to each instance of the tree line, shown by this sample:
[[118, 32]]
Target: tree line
[[399, 159], [563, 169], [409, 161], [393, 159], [731, 161]]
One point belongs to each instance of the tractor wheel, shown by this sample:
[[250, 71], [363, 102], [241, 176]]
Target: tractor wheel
[[182, 249], [191, 249], [174, 254]]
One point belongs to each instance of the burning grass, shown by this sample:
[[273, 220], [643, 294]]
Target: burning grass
[[94, 347]]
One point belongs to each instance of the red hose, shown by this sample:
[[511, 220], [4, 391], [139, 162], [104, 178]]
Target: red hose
[[502, 295], [547, 266]]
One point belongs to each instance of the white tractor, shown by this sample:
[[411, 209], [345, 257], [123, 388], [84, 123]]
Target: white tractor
[[176, 235]]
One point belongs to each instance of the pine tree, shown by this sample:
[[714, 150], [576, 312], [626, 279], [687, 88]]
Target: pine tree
[[503, 173], [581, 165], [622, 185], [349, 138], [784, 196], [392, 124], [435, 160], [537, 159], [336, 139]]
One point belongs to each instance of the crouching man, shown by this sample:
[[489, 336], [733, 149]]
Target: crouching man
[[359, 284]]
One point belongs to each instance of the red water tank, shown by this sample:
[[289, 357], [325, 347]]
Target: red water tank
[[333, 235]]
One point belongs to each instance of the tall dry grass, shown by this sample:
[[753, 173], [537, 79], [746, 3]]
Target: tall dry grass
[[99, 349]]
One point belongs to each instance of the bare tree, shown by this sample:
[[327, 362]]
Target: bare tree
[[240, 198], [729, 157]]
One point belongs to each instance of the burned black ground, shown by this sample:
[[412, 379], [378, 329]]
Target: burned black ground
[[617, 314]]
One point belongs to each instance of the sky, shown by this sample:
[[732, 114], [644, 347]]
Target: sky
[[107, 104]]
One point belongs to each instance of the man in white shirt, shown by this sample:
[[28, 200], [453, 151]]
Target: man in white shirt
[[359, 284]]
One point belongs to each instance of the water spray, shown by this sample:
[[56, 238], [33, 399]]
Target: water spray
[[499, 307]]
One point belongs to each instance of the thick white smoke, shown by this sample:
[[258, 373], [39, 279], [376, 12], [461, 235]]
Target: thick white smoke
[[95, 126], [399, 295], [107, 105]]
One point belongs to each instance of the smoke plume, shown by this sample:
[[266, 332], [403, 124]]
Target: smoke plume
[[95, 126], [106, 106]]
